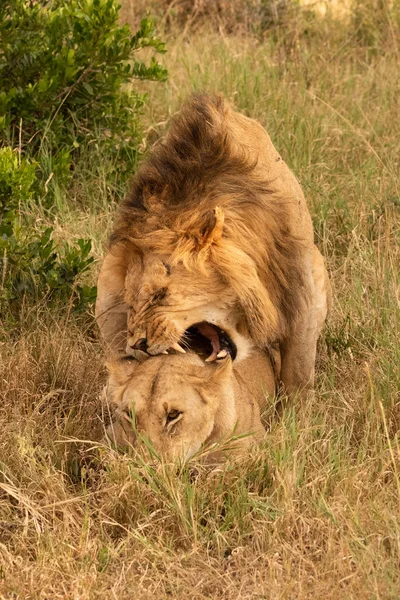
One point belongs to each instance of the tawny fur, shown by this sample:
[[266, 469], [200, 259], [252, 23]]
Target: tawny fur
[[215, 401], [215, 229]]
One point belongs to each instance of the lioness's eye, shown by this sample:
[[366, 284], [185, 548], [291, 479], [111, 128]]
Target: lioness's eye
[[129, 414], [172, 415]]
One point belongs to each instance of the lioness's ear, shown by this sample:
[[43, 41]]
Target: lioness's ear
[[211, 231], [121, 370], [211, 373], [221, 368]]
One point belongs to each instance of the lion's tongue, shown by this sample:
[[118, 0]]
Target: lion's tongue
[[210, 333]]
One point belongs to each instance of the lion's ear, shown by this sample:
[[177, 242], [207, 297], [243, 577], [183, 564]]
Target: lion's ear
[[211, 231]]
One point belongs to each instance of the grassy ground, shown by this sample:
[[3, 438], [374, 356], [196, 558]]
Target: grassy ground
[[312, 513]]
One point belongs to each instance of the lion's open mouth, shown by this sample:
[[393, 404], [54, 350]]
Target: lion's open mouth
[[209, 341], [205, 339]]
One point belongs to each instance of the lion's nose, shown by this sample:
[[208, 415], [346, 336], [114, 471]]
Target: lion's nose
[[140, 344]]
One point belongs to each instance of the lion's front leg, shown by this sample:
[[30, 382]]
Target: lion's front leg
[[298, 353], [111, 310]]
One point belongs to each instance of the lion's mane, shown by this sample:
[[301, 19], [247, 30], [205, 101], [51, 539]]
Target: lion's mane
[[196, 174]]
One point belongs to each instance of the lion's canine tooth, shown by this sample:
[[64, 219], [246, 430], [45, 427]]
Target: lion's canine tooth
[[222, 354], [178, 348], [164, 352], [212, 357]]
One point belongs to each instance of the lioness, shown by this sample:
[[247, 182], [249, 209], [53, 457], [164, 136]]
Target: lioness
[[182, 402], [215, 234]]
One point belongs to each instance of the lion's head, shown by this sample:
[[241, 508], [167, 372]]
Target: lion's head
[[210, 238], [170, 293]]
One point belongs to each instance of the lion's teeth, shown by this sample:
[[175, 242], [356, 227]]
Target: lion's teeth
[[222, 354], [212, 357], [164, 352], [178, 348]]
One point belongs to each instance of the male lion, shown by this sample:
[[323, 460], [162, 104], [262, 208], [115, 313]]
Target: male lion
[[215, 234], [182, 402]]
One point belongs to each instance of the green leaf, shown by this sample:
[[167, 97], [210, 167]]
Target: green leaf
[[88, 88]]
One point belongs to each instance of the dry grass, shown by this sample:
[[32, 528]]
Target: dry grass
[[222, 15], [315, 511]]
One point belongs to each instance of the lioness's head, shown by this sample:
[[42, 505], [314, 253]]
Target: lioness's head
[[174, 401]]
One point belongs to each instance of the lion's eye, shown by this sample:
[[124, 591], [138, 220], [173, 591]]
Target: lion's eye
[[167, 268]]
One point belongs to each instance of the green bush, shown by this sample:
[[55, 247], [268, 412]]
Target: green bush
[[64, 66], [65, 72], [30, 262], [17, 180]]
